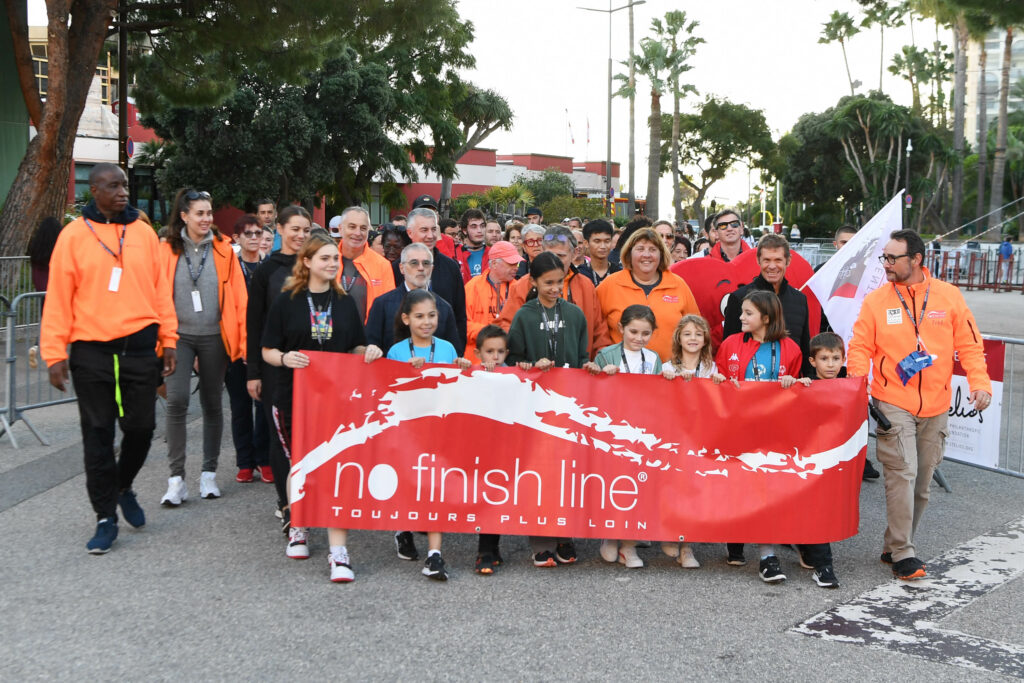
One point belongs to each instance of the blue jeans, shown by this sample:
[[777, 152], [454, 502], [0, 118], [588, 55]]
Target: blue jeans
[[248, 422]]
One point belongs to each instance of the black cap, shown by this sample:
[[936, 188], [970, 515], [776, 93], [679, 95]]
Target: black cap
[[534, 211], [424, 200]]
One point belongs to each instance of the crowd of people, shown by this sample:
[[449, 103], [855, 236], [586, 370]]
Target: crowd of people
[[128, 310]]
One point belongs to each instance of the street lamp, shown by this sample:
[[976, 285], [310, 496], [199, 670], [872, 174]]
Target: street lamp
[[608, 166], [906, 185]]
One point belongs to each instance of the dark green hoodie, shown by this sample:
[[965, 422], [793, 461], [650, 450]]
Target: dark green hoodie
[[528, 340]]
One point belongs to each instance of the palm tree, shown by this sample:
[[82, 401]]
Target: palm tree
[[155, 153], [883, 15], [840, 28], [999, 158]]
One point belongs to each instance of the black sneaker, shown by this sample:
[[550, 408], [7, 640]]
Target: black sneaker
[[406, 546], [886, 558], [485, 564], [434, 567], [869, 471], [736, 557], [909, 569], [826, 577], [545, 559], [131, 510], [771, 570], [565, 553]]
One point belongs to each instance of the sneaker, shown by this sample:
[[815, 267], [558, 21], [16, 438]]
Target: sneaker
[[434, 567], [826, 577], [565, 553], [909, 569], [33, 357], [670, 549], [177, 492], [544, 559], [609, 551], [736, 558], [266, 474], [886, 558], [244, 475], [771, 570], [106, 532], [341, 570], [208, 485], [298, 548], [485, 564], [628, 557], [130, 508], [405, 543], [686, 558], [869, 471]]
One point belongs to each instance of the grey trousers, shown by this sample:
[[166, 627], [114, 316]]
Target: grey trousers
[[213, 362]]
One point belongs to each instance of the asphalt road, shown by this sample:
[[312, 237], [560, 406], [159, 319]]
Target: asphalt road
[[205, 591]]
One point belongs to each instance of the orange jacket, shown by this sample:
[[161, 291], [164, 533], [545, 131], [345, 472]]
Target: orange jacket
[[670, 300], [232, 296], [483, 307], [578, 290], [883, 336], [376, 271], [79, 303]]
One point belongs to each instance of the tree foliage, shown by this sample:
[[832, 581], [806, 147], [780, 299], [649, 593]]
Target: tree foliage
[[839, 28], [567, 207], [549, 184]]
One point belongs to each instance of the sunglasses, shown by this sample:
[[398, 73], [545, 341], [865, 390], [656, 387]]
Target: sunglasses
[[561, 238], [727, 224], [193, 195], [252, 233]]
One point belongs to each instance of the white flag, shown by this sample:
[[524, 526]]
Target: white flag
[[846, 278]]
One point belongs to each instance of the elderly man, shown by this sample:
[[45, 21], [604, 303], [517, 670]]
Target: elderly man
[[416, 265], [908, 334], [111, 302], [364, 273], [446, 278], [487, 293], [577, 289], [773, 258]]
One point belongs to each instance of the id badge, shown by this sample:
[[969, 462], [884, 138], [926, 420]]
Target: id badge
[[115, 279], [197, 303], [913, 364]]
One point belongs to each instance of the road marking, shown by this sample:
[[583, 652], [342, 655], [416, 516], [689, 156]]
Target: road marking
[[905, 616]]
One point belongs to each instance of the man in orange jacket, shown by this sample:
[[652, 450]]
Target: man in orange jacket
[[909, 332], [487, 293], [364, 273], [110, 300]]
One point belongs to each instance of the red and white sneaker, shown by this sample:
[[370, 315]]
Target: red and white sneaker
[[341, 569], [298, 548], [244, 475], [266, 474]]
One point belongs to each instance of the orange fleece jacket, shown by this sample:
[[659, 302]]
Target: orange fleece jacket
[[670, 300]]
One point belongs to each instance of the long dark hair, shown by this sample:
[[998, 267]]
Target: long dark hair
[[40, 247], [412, 298], [768, 304], [182, 203], [544, 263]]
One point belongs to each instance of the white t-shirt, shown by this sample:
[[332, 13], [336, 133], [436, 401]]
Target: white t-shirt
[[703, 371], [638, 362]]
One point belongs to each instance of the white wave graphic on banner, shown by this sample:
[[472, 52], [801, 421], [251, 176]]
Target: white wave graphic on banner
[[509, 399]]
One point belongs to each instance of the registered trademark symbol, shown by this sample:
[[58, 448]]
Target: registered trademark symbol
[[642, 476]]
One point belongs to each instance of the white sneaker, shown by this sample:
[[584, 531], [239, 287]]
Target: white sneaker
[[609, 551], [628, 557], [341, 570], [670, 548], [297, 549], [208, 485], [177, 492], [686, 558]]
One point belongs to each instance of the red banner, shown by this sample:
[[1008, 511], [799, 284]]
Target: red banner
[[563, 453]]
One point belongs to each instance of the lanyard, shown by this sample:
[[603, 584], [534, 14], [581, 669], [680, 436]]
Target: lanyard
[[320, 322], [567, 287], [412, 350], [771, 368], [120, 244], [916, 323], [202, 264], [622, 352], [551, 327], [245, 269], [497, 295]]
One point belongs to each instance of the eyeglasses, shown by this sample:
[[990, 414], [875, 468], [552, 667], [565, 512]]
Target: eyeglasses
[[890, 259], [669, 238], [728, 224], [417, 264], [532, 242], [252, 233], [193, 195]]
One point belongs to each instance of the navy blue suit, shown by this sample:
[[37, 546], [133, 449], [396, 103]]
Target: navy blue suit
[[380, 325]]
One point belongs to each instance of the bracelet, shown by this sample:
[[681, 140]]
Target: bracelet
[[282, 360]]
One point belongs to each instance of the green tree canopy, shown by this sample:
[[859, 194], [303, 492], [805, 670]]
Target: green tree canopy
[[549, 184]]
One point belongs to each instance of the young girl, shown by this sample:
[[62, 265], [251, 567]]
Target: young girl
[[548, 332], [312, 313], [636, 326], [691, 357], [760, 352], [415, 325]]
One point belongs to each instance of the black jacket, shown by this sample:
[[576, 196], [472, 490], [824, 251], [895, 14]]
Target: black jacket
[[264, 287], [794, 310], [446, 282]]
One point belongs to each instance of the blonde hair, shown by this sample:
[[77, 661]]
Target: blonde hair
[[299, 279], [654, 238], [701, 324]]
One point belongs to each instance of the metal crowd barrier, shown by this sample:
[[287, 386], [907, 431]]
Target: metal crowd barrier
[[26, 388], [974, 269], [1011, 435], [15, 276]]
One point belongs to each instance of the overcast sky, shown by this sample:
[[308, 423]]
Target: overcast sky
[[547, 57]]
